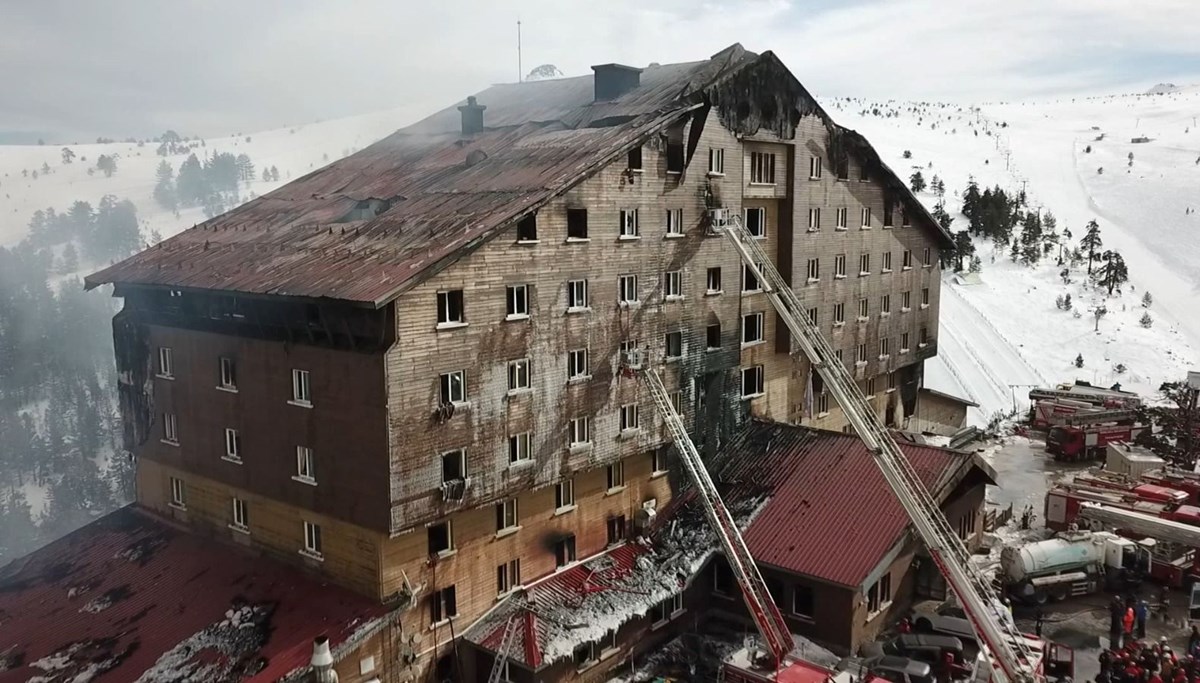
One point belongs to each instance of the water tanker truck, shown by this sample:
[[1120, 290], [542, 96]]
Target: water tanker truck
[[1072, 563]]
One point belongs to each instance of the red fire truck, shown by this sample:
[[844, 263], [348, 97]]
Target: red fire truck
[[1087, 442], [1100, 479], [1178, 479], [1063, 505]]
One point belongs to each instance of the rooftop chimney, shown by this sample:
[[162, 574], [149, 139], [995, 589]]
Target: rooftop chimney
[[472, 116], [614, 80], [322, 662]]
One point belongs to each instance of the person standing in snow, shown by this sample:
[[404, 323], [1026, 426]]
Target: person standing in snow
[[1142, 611], [1127, 622]]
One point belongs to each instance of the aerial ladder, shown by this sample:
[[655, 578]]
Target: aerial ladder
[[1159, 528], [1082, 419], [992, 623]]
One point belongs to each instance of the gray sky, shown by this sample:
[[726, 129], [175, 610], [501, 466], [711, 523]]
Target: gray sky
[[76, 70]]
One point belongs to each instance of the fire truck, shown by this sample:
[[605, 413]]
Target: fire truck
[[1064, 502], [1176, 561], [1086, 393], [1087, 442], [1104, 480], [1178, 479]]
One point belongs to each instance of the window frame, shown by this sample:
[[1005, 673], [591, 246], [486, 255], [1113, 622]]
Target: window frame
[[709, 280], [864, 264], [615, 476], [520, 369], [759, 324], [312, 540], [577, 217], [170, 429], [516, 301], [673, 285], [839, 266], [762, 168], [865, 215], [627, 285], [749, 276], [240, 519], [446, 388], [813, 270], [443, 605], [674, 223], [578, 365], [864, 309], [799, 590], [885, 305], [233, 445], [673, 345], [166, 363], [814, 219], [449, 548], [519, 445], [760, 232], [564, 495], [814, 167], [301, 387], [629, 227], [226, 373], [454, 454], [629, 419], [716, 161], [178, 493], [839, 314], [576, 427], [756, 372], [447, 302], [886, 266], [841, 218], [577, 291], [508, 579]]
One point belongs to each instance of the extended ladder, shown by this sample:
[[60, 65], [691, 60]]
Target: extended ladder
[[502, 651], [1080, 419], [762, 608], [992, 623]]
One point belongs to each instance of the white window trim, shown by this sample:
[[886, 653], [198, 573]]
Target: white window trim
[[517, 316], [304, 479]]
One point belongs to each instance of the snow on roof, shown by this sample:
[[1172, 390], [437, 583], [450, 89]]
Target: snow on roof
[[128, 598]]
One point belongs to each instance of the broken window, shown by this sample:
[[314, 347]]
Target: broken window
[[517, 297], [673, 345], [577, 364], [905, 219], [674, 157], [453, 387], [887, 214], [814, 220], [714, 280], [752, 381], [629, 224], [674, 221], [712, 337], [527, 228], [635, 158], [440, 539], [519, 448], [227, 374], [762, 168], [518, 374], [454, 465], [508, 577], [577, 224], [752, 328], [616, 529], [584, 654], [615, 475], [843, 168], [814, 167], [450, 307], [233, 445], [443, 605], [668, 608], [178, 493], [312, 538], [577, 295], [863, 175], [756, 221], [750, 281], [165, 364], [803, 598], [580, 429], [564, 494], [716, 161], [170, 432], [673, 285], [722, 577], [627, 289], [564, 551], [506, 514], [300, 387], [629, 417]]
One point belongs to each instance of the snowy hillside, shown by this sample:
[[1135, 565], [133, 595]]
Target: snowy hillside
[[1005, 333]]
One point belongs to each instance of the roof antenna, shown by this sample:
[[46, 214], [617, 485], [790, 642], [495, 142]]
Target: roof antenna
[[520, 71]]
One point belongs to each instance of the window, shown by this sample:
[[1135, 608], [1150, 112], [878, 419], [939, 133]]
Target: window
[[518, 448], [676, 399], [518, 374], [716, 161], [752, 381], [453, 387], [864, 264], [862, 354], [454, 464], [629, 223], [629, 417], [839, 266], [668, 608], [714, 281], [814, 220], [443, 605], [577, 295], [885, 304], [233, 445], [673, 285], [762, 168], [170, 432], [838, 354], [885, 348], [843, 168], [840, 222], [863, 175], [905, 219], [924, 297], [723, 582], [927, 258], [756, 222], [887, 261], [750, 281], [752, 328], [866, 217], [441, 538], [966, 525], [312, 539], [814, 167], [577, 364], [241, 519], [564, 494], [673, 345], [814, 269], [300, 387], [178, 493], [906, 259], [577, 224], [674, 221], [228, 374], [712, 337], [635, 158], [839, 314], [629, 353], [450, 308], [615, 474], [905, 301], [802, 600], [564, 551], [518, 301], [904, 342], [823, 402], [812, 315], [864, 308], [891, 381], [675, 156], [924, 336], [887, 214], [627, 289], [165, 364], [580, 430], [527, 228], [508, 577], [616, 529], [879, 595], [658, 460], [870, 387]]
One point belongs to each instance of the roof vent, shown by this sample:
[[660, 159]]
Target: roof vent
[[614, 80], [472, 116]]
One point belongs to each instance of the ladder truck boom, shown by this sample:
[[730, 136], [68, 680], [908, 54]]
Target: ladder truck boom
[[1142, 523], [991, 622], [774, 630]]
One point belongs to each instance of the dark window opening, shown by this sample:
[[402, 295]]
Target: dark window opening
[[564, 551], [635, 158], [616, 529], [453, 466], [887, 214], [527, 228], [713, 337], [450, 306], [577, 223], [439, 538], [802, 600], [843, 169], [443, 605], [674, 157]]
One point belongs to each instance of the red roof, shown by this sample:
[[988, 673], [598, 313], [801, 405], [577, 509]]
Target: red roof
[[831, 515], [128, 593]]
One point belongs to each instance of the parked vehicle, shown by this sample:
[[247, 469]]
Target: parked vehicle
[[888, 667], [1072, 564], [1063, 502], [1087, 442], [1101, 479], [946, 625], [922, 647]]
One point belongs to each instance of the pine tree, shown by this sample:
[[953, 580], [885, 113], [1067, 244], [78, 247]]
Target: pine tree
[[1113, 273], [1091, 243], [107, 164], [1079, 361], [964, 249], [1146, 321], [1147, 300], [970, 206], [164, 188], [1067, 302], [917, 182], [67, 155], [1015, 252]]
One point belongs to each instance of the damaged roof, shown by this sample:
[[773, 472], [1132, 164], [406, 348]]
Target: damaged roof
[[831, 516], [129, 598], [366, 227]]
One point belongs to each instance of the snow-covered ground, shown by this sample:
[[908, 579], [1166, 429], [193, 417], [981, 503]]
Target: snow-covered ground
[[1000, 336]]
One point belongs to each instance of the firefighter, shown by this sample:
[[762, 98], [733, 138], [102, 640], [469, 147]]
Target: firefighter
[[1127, 624], [1142, 611]]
